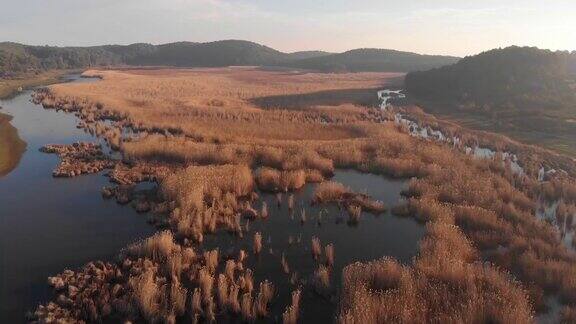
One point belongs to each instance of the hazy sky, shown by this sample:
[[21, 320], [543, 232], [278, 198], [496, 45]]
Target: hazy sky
[[457, 27]]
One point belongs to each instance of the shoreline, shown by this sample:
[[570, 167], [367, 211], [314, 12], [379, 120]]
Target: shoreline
[[11, 87], [82, 227]]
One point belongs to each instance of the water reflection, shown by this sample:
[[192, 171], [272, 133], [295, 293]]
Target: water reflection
[[12, 147], [47, 224]]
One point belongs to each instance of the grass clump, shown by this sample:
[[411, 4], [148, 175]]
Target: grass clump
[[335, 192], [291, 314], [272, 180], [207, 197], [384, 291]]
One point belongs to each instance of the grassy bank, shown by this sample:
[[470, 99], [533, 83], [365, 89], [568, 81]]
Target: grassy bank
[[8, 87]]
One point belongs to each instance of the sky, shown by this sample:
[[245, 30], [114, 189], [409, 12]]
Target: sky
[[449, 27]]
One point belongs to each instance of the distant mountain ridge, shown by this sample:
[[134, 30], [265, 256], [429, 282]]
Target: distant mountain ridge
[[372, 59], [18, 58]]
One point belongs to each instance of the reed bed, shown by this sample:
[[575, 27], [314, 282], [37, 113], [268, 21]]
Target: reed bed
[[485, 257], [273, 180], [160, 280], [214, 106], [207, 197], [384, 291], [354, 202]]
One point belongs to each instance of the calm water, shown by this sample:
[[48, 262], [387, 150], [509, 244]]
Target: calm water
[[373, 238], [48, 224]]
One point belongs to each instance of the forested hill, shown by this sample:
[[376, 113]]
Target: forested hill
[[371, 59], [501, 79], [17, 58]]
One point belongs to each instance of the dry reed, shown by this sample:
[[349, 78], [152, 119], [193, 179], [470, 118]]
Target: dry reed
[[470, 206], [284, 264], [257, 245], [316, 248], [291, 314], [329, 252]]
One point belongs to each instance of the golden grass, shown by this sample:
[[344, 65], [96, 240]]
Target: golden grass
[[329, 252], [257, 244], [147, 295], [265, 295], [207, 122], [205, 183], [321, 279], [316, 248], [207, 198], [383, 291], [354, 202], [291, 314], [157, 247], [329, 191], [269, 179], [216, 104]]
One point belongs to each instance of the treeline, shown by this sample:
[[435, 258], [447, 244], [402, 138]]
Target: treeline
[[371, 59], [17, 58], [501, 79]]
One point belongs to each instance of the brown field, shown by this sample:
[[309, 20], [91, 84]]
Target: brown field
[[485, 258]]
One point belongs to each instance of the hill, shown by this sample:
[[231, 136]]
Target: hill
[[17, 58], [373, 60], [499, 78], [220, 53], [525, 92]]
